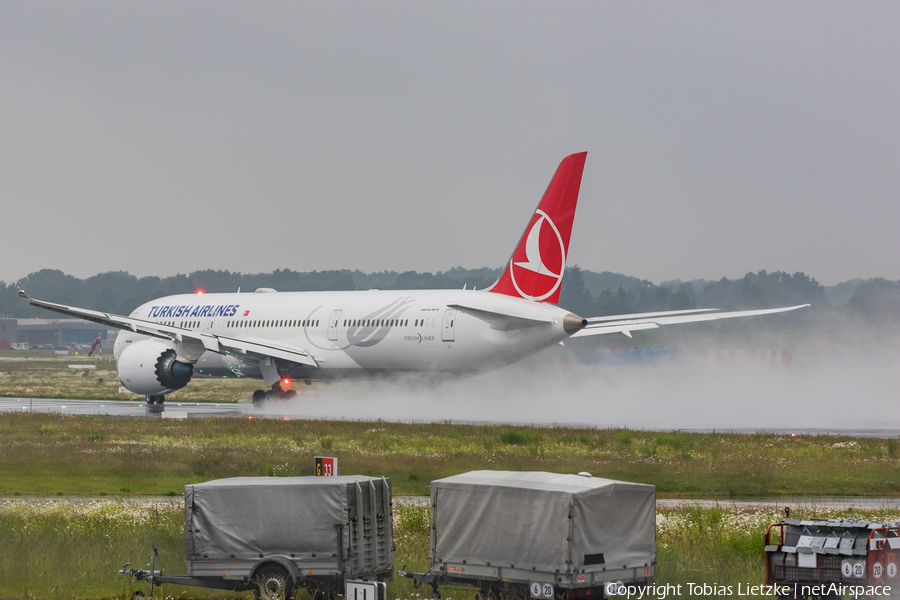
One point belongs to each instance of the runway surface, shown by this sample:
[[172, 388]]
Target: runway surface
[[279, 410]]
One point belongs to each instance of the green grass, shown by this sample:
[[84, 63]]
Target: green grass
[[46, 455], [64, 550], [71, 550], [517, 437]]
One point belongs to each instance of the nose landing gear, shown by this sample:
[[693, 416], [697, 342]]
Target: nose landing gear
[[155, 404]]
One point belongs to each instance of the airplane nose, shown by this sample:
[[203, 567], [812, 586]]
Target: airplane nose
[[573, 323]]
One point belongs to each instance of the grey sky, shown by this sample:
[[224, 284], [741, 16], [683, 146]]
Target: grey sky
[[168, 137]]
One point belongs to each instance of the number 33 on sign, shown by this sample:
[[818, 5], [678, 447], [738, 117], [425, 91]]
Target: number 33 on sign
[[326, 466]]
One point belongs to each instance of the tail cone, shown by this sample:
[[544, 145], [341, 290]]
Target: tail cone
[[573, 323]]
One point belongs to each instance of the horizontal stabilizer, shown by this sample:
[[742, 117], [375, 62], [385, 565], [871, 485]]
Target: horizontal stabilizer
[[628, 323], [649, 315]]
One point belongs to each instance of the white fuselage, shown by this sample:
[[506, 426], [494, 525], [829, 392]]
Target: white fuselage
[[361, 334]]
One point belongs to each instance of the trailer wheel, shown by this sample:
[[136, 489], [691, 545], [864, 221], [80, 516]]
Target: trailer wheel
[[274, 583]]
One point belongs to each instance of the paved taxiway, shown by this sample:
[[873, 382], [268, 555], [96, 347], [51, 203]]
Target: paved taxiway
[[124, 408]]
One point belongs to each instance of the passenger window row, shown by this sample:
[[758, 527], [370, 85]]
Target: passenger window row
[[274, 323], [309, 323], [376, 322], [182, 324], [387, 322]]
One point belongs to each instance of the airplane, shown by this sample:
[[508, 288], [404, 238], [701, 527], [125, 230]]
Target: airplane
[[280, 337]]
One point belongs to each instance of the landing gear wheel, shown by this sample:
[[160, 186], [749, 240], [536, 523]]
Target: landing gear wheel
[[259, 398], [273, 583], [275, 393], [156, 399]]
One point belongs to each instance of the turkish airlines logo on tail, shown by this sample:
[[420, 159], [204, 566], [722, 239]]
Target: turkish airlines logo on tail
[[538, 265]]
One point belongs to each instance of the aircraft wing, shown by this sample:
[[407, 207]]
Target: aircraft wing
[[628, 323], [256, 350]]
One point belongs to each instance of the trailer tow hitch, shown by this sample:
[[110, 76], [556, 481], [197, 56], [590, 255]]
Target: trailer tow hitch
[[420, 578], [402, 573], [144, 574]]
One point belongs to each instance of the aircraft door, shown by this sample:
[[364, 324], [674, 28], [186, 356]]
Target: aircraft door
[[333, 325], [447, 329]]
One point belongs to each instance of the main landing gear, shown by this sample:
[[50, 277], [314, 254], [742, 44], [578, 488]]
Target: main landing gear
[[261, 397], [157, 399]]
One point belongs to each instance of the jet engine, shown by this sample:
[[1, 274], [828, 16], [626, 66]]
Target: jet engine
[[149, 368]]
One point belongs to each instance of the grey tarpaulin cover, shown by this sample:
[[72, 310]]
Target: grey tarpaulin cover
[[249, 516], [521, 519]]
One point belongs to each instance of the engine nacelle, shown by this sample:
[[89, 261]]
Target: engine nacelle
[[149, 368]]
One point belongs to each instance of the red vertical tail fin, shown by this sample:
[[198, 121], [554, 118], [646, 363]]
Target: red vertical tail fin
[[535, 269]]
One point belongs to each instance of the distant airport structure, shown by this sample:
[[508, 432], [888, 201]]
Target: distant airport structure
[[52, 333]]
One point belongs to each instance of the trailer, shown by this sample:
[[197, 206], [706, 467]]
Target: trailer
[[540, 535], [275, 534], [827, 558]]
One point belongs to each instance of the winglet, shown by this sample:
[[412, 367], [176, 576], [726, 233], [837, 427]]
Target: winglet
[[535, 269], [22, 295]]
